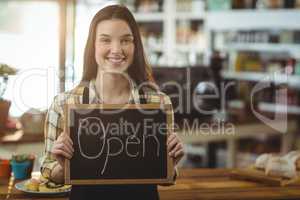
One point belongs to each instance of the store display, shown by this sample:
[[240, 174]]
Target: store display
[[176, 40], [259, 50]]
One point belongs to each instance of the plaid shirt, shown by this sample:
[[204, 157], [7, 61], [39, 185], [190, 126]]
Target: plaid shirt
[[54, 122]]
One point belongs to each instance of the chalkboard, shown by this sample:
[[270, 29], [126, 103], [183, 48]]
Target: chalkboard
[[119, 144]]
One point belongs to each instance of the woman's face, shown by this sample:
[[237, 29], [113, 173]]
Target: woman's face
[[114, 45]]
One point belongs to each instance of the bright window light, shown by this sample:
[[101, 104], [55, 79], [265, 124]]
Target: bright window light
[[29, 41]]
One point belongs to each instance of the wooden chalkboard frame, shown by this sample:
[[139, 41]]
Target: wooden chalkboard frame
[[167, 108]]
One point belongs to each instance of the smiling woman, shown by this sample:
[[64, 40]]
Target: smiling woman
[[115, 71], [138, 70]]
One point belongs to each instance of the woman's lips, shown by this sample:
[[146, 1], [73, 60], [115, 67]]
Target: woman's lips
[[116, 61]]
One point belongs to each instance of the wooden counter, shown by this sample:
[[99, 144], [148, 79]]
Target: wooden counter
[[192, 184]]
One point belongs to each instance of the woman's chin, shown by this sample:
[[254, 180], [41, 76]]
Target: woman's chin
[[115, 69]]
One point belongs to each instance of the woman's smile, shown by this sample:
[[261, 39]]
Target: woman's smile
[[116, 60]]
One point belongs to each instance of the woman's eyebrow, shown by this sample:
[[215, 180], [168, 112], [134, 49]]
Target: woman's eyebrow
[[103, 35], [127, 35], [107, 35]]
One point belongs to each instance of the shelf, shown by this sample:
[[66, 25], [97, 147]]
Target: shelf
[[197, 136], [149, 17], [154, 48], [293, 49], [236, 104], [272, 107], [190, 16], [188, 48], [293, 80], [164, 22], [253, 19]]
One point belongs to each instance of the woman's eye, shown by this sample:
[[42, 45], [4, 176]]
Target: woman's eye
[[126, 41], [104, 40]]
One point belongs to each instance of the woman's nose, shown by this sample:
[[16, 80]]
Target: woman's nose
[[116, 47]]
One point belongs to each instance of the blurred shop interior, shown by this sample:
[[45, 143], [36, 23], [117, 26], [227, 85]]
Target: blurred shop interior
[[222, 62]]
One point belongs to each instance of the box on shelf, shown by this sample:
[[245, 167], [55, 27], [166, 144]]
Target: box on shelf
[[195, 156], [33, 121], [245, 159], [219, 5], [221, 155], [184, 5], [195, 6], [297, 67]]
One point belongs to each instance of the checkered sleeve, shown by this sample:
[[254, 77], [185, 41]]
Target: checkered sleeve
[[53, 128]]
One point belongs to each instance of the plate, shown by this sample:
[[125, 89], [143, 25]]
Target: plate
[[21, 186]]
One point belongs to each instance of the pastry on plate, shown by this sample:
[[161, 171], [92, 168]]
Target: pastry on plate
[[262, 160], [53, 187], [280, 167], [32, 184], [294, 157]]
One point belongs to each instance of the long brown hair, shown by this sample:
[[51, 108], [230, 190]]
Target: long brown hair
[[139, 70]]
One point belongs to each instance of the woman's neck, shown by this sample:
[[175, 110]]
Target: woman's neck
[[113, 87]]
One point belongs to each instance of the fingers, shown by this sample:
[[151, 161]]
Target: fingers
[[63, 146], [171, 141], [68, 147], [60, 152], [178, 155], [60, 149], [66, 140], [171, 137], [175, 148]]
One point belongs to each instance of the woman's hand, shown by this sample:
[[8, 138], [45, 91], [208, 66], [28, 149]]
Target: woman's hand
[[175, 147], [62, 148]]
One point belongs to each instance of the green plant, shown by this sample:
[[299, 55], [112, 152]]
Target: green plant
[[5, 71], [22, 157]]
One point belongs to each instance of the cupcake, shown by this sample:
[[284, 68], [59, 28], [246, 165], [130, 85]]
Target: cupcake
[[32, 184]]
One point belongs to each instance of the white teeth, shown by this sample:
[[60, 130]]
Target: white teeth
[[115, 60]]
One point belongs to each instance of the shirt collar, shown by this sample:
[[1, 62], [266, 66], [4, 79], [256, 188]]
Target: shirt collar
[[94, 97]]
